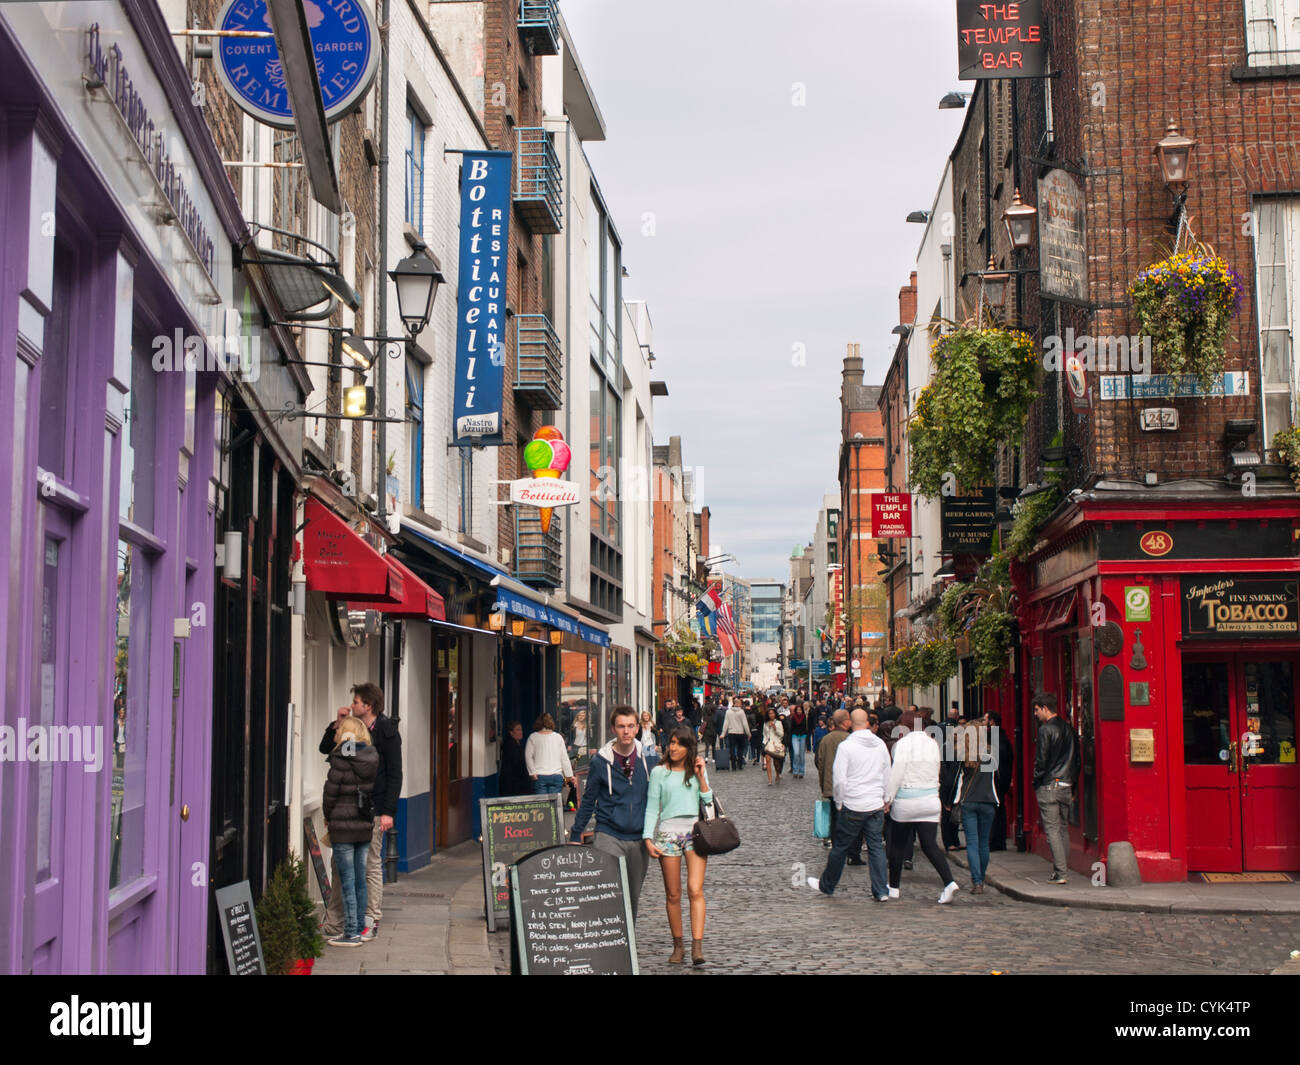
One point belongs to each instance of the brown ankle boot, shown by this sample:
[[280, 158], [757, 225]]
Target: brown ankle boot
[[697, 952], [679, 951]]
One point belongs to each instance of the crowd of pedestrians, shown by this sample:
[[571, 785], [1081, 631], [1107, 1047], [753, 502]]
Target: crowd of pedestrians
[[890, 778]]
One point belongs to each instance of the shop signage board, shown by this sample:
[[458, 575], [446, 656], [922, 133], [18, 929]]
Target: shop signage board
[[821, 667], [1000, 40], [344, 38], [1195, 539], [572, 914], [546, 492], [891, 515], [317, 861], [1062, 246], [967, 523], [514, 826], [1233, 607], [1137, 602], [238, 919], [481, 297]]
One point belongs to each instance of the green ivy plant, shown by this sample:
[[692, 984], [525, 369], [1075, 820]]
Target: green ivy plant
[[984, 381], [922, 663], [981, 611], [1028, 517]]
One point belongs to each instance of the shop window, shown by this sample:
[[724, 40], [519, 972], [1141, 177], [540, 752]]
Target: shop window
[[56, 359], [415, 427], [129, 725], [415, 170], [136, 486], [579, 711]]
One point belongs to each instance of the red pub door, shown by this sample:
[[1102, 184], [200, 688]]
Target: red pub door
[[1239, 754]]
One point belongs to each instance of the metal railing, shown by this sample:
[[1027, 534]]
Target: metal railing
[[538, 555], [538, 184], [539, 26], [539, 363]]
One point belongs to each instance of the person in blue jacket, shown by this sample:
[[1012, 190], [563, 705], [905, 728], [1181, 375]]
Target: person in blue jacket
[[618, 780]]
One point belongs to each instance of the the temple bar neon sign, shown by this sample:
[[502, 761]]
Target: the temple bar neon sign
[[1000, 40]]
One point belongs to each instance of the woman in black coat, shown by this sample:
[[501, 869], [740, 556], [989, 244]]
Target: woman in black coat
[[347, 801], [514, 778]]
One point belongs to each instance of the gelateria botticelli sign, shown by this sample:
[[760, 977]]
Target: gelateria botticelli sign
[[344, 39], [1227, 607]]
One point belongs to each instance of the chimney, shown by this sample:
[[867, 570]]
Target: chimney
[[852, 373], [907, 302]]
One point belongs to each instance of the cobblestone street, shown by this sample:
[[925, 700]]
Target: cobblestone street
[[758, 922]]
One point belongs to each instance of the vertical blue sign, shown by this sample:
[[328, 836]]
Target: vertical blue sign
[[481, 303]]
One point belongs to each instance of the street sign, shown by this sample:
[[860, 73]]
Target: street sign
[[822, 667], [857, 664], [798, 663]]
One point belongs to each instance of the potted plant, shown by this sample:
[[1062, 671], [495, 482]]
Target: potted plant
[[286, 919], [1287, 444], [984, 381], [1184, 303]]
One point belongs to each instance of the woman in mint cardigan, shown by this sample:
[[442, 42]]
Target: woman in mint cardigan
[[677, 785]]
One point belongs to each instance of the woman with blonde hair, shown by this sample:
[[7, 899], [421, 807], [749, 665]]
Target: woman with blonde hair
[[678, 785], [647, 736], [349, 816]]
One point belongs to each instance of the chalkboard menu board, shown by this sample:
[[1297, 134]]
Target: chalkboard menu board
[[317, 862], [239, 930], [512, 827], [572, 914]]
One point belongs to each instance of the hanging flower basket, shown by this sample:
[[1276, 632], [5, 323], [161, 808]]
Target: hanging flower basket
[[1185, 304], [984, 382]]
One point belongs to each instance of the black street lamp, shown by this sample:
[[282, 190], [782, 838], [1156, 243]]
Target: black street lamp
[[417, 278]]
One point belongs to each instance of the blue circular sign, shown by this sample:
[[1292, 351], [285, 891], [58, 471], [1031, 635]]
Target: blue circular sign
[[345, 40]]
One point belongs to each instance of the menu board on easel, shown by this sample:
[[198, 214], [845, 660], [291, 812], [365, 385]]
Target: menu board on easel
[[572, 914], [317, 862], [512, 827]]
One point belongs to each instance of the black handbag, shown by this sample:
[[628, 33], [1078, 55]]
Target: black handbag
[[714, 833], [365, 804]]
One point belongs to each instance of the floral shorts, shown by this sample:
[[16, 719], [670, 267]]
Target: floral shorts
[[674, 836]]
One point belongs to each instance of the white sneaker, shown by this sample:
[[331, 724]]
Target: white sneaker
[[948, 892], [814, 883], [893, 893]]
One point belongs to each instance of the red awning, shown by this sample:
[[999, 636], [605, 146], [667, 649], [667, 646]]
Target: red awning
[[418, 599], [341, 564]]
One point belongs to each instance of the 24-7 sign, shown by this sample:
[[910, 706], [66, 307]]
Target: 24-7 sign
[[1000, 40]]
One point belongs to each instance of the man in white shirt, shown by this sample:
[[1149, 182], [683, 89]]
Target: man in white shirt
[[859, 776]]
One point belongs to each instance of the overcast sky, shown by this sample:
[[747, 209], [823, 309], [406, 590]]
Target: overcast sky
[[779, 145]]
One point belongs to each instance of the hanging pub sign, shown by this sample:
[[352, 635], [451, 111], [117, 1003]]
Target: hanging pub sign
[[344, 39], [891, 515], [1062, 248], [481, 297], [1000, 40], [967, 523], [1219, 607]]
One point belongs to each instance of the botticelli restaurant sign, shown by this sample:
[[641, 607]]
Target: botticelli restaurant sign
[[545, 493], [891, 515], [1228, 607], [1000, 40], [481, 297], [344, 40]]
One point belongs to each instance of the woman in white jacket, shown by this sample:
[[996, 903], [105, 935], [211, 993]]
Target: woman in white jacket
[[547, 758], [912, 799]]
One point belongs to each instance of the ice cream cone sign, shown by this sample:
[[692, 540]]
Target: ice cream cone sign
[[547, 456]]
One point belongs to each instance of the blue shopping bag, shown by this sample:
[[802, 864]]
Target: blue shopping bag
[[822, 819]]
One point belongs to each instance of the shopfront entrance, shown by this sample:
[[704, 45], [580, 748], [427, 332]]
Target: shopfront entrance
[[1239, 754]]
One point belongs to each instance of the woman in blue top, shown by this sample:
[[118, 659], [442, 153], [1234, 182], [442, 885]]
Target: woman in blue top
[[677, 786]]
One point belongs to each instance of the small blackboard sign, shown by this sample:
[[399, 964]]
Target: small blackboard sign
[[239, 930], [512, 827], [317, 862], [1110, 694], [572, 914]]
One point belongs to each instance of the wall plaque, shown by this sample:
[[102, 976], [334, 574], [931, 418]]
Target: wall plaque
[[1142, 745], [1110, 694]]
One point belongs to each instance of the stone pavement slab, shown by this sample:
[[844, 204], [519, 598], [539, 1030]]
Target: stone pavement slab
[[1024, 877], [433, 924]]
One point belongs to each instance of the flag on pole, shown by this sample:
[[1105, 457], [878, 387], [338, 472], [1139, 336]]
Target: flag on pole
[[709, 601], [727, 634]]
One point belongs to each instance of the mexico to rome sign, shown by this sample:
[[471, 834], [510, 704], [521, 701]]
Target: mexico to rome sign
[[1000, 40], [344, 40]]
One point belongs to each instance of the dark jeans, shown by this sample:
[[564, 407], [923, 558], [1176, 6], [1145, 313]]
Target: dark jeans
[[850, 826], [736, 742], [977, 822], [902, 834]]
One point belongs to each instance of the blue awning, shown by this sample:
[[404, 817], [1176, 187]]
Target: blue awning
[[513, 602]]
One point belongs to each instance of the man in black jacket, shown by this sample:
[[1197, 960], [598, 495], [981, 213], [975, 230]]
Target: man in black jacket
[[1055, 769], [368, 705]]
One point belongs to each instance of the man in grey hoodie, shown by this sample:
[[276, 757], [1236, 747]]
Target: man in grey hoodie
[[618, 780]]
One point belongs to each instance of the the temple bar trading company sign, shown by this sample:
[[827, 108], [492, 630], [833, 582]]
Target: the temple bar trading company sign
[[344, 39], [1000, 40], [1218, 607], [481, 301], [891, 515]]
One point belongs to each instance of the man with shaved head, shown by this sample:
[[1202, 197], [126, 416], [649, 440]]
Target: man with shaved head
[[859, 776]]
